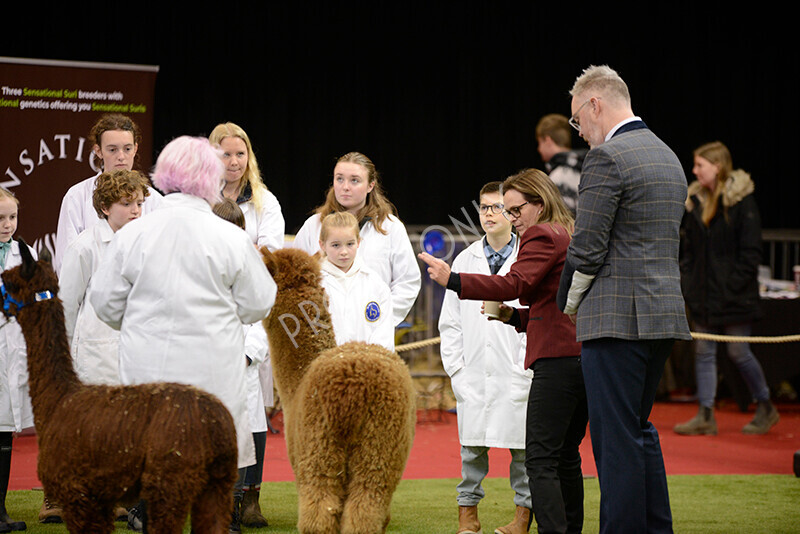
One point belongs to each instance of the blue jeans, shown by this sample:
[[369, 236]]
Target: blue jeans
[[741, 355], [474, 468]]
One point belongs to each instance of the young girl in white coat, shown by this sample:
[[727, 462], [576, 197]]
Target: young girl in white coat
[[485, 361], [118, 199], [16, 411], [359, 301], [256, 351], [385, 247]]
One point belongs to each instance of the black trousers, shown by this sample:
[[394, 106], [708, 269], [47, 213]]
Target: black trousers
[[556, 425]]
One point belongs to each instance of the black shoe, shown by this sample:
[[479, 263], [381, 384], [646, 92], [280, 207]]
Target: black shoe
[[9, 524], [136, 517], [236, 518], [12, 526]]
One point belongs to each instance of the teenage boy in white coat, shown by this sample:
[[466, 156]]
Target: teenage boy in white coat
[[485, 362]]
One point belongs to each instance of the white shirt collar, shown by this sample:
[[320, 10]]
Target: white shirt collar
[[619, 125]]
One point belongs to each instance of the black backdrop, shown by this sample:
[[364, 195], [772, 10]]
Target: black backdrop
[[443, 96]]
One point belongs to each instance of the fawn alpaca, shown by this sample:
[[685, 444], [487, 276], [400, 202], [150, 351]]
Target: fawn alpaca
[[349, 410], [171, 444]]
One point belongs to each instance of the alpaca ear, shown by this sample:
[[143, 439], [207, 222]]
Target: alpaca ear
[[28, 263], [45, 255], [317, 257], [269, 260]]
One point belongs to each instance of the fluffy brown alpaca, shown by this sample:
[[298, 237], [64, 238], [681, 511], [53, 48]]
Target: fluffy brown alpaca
[[170, 444], [349, 410]]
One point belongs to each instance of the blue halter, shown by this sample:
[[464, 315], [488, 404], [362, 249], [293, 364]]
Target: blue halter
[[8, 299]]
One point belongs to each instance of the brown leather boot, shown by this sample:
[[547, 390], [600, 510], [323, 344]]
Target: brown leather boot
[[468, 520], [519, 525], [50, 512], [251, 511]]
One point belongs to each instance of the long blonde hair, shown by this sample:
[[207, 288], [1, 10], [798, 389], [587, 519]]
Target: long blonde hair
[[377, 206], [538, 188], [717, 154], [251, 174]]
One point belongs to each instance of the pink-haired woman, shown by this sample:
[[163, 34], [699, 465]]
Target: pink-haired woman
[[180, 284]]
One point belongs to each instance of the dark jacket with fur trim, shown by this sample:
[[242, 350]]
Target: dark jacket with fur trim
[[719, 263]]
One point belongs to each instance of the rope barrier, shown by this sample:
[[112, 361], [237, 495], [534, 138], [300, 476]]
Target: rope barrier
[[417, 344], [695, 335], [746, 339]]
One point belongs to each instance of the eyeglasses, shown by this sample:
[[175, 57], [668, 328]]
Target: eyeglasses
[[496, 208], [573, 121], [513, 211]]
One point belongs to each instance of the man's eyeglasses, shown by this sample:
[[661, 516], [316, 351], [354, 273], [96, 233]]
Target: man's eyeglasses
[[573, 121], [513, 211], [495, 208]]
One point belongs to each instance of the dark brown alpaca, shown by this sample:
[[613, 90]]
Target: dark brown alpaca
[[171, 445], [349, 410]]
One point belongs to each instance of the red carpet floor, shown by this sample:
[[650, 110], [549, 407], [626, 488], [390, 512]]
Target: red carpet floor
[[435, 453]]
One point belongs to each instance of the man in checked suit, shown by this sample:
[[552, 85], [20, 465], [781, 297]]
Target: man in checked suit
[[624, 294]]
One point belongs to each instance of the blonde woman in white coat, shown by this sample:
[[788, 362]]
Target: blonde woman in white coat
[[114, 139], [485, 362], [118, 198], [264, 223], [385, 246], [16, 411], [360, 303]]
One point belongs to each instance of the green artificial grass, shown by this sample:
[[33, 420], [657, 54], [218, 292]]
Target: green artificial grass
[[704, 504]]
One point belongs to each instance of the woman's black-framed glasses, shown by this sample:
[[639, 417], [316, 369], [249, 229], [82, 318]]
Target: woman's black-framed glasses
[[514, 211]]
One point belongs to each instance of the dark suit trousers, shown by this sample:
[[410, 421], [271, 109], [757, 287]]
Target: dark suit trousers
[[621, 380], [555, 427]]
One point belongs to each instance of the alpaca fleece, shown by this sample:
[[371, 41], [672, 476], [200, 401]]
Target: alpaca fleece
[[349, 410], [172, 445]]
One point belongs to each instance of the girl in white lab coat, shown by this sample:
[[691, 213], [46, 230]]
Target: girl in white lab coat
[[256, 351], [114, 139], [360, 303], [16, 411], [385, 247], [485, 362], [118, 198]]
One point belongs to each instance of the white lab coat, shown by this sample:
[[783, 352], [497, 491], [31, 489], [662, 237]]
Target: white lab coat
[[94, 344], [390, 256], [179, 284], [360, 304], [485, 361], [16, 411], [255, 347], [266, 227], [78, 213]]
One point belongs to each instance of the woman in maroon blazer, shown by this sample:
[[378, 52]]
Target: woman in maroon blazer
[[557, 413]]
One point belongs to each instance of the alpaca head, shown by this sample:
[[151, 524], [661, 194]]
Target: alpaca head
[[292, 267], [29, 282], [300, 311]]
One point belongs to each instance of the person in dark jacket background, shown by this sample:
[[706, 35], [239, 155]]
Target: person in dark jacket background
[[720, 254]]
